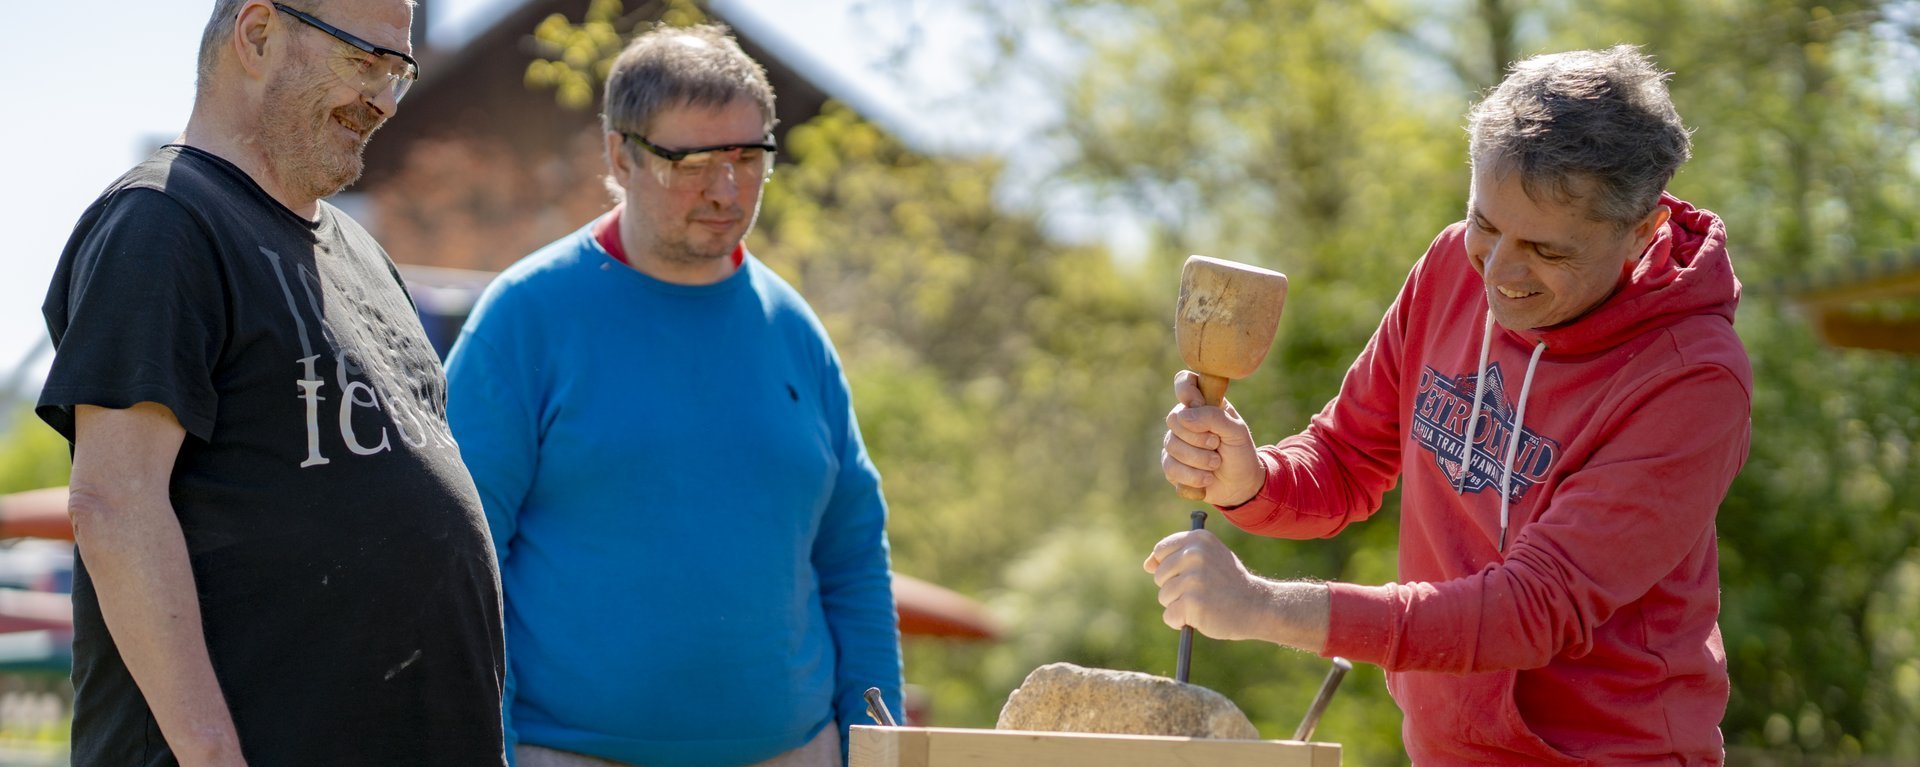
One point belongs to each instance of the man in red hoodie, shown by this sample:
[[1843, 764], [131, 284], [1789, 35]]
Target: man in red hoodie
[[1559, 386]]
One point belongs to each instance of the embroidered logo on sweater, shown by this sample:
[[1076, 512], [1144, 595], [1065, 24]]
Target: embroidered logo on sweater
[[1440, 410]]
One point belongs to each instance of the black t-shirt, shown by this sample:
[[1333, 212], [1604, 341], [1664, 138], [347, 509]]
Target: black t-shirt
[[346, 581]]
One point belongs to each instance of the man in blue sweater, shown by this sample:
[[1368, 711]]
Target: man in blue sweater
[[691, 537]]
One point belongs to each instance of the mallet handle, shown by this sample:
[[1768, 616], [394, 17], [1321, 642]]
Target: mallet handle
[[1214, 389]]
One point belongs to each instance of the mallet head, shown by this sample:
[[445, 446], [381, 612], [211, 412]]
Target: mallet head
[[1226, 318]]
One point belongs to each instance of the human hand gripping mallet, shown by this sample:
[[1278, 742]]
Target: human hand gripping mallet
[[1225, 322]]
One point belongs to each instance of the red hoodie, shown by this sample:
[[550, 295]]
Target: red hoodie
[[1591, 636]]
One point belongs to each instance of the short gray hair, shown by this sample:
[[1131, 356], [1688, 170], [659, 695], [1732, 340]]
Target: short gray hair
[[220, 27], [1593, 126], [666, 67]]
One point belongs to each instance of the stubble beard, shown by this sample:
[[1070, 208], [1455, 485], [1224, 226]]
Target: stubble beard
[[299, 134], [686, 253]]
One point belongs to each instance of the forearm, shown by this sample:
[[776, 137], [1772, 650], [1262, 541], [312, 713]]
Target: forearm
[[1297, 614], [136, 557]]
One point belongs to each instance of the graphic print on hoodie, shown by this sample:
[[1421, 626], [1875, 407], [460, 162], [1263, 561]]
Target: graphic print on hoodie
[[1441, 408], [1572, 620]]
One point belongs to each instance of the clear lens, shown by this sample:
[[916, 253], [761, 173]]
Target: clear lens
[[697, 170], [373, 75]]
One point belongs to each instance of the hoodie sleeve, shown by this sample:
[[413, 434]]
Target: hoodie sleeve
[[1335, 473], [1617, 528]]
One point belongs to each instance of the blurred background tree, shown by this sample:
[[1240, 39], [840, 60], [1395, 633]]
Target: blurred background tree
[[32, 456], [1011, 385]]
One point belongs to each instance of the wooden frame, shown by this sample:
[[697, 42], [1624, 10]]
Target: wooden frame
[[947, 747]]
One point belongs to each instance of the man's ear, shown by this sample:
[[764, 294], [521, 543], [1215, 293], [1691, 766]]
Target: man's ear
[[1644, 231], [619, 160], [254, 37]]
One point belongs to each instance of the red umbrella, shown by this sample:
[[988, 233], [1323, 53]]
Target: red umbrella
[[936, 611]]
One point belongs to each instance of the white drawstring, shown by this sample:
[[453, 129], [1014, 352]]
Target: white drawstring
[[1513, 439]]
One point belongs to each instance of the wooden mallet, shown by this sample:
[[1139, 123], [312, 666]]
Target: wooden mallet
[[1224, 322]]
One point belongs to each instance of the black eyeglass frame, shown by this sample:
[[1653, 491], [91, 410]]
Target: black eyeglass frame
[[348, 37], [676, 155]]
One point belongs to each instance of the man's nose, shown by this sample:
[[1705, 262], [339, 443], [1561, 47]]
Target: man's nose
[[721, 184], [384, 101], [1502, 262]]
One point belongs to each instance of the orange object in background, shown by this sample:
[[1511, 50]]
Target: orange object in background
[[929, 610], [925, 609], [40, 514], [936, 611], [36, 514]]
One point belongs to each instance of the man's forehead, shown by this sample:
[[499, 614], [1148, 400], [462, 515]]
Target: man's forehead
[[1501, 200], [386, 23], [699, 122]]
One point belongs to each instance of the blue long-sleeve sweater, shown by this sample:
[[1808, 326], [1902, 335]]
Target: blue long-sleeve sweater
[[691, 536]]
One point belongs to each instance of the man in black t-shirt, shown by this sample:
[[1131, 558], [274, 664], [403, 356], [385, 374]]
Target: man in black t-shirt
[[282, 560]]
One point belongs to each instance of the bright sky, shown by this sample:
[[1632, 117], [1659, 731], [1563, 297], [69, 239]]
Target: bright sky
[[93, 88]]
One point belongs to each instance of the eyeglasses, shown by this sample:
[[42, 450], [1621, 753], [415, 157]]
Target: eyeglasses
[[371, 76], [689, 169]]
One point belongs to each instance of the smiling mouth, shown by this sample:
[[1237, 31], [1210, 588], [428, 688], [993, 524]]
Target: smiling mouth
[[350, 128], [1511, 293], [358, 122]]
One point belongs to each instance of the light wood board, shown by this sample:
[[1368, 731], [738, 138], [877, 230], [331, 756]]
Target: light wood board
[[948, 747]]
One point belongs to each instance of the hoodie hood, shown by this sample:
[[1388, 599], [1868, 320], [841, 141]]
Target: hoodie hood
[[1684, 272]]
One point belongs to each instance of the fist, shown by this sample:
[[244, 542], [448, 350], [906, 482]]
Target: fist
[[1208, 452]]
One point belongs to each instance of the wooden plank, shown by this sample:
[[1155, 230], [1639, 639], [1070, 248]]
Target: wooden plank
[[887, 747], [947, 747]]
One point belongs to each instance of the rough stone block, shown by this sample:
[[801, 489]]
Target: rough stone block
[[1063, 697]]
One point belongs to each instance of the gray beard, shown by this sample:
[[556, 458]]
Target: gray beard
[[298, 148]]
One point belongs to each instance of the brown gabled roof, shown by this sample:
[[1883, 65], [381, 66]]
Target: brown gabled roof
[[479, 88]]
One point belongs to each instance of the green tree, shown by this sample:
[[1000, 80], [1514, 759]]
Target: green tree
[[32, 456]]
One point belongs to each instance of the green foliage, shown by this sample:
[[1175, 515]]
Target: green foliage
[[1820, 540], [32, 456], [575, 58], [1011, 390], [1006, 385]]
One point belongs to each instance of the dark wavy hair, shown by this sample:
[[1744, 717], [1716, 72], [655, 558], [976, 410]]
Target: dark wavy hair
[[1590, 127]]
